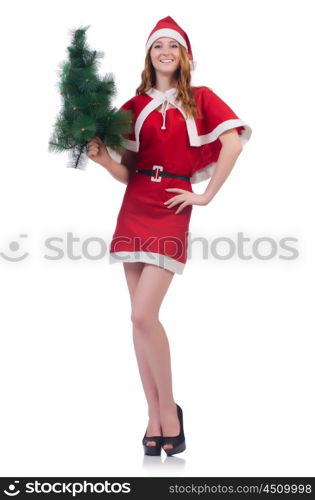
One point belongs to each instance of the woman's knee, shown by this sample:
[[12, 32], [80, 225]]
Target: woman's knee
[[143, 320]]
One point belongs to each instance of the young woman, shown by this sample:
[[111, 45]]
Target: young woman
[[180, 135]]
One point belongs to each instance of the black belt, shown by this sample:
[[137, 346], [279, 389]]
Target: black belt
[[156, 174]]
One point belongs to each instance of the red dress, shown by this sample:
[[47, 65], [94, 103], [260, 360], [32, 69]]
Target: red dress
[[146, 229]]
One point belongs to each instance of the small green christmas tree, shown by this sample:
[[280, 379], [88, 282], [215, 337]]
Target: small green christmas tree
[[87, 111]]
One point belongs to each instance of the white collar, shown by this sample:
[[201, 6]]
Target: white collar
[[169, 95], [165, 98]]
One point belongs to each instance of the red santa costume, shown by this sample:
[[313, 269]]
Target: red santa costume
[[173, 150]]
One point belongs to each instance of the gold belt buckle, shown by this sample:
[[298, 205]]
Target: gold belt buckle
[[157, 177]]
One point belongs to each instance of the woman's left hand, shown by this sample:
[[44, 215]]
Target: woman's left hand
[[185, 198]]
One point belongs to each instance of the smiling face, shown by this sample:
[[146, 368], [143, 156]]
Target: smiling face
[[165, 55]]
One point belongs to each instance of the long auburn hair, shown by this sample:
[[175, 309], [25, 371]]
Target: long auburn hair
[[183, 77]]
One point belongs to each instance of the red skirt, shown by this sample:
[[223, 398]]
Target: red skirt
[[147, 230]]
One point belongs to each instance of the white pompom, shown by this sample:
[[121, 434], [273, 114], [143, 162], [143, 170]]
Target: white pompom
[[192, 65]]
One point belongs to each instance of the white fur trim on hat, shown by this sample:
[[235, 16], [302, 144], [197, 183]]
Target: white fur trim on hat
[[166, 32]]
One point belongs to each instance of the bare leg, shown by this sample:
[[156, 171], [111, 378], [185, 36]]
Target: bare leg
[[133, 272], [147, 298]]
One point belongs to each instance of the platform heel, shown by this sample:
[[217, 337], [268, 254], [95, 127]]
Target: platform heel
[[152, 450], [178, 442]]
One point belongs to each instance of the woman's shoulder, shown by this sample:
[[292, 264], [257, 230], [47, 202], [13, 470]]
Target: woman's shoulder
[[204, 96], [139, 99], [137, 102], [201, 89]]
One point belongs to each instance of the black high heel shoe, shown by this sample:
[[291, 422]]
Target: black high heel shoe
[[152, 449], [178, 442]]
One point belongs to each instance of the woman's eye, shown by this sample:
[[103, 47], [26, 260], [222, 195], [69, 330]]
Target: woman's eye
[[158, 45]]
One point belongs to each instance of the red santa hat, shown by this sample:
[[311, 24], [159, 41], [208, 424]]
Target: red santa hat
[[169, 28]]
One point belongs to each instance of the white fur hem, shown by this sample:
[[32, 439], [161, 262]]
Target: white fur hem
[[149, 258]]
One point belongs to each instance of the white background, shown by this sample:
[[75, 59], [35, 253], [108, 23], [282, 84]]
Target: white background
[[241, 332]]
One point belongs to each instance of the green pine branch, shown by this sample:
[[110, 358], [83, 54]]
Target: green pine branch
[[87, 109]]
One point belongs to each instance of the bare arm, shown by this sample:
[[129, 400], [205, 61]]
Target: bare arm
[[231, 148], [119, 171], [128, 161], [97, 152]]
